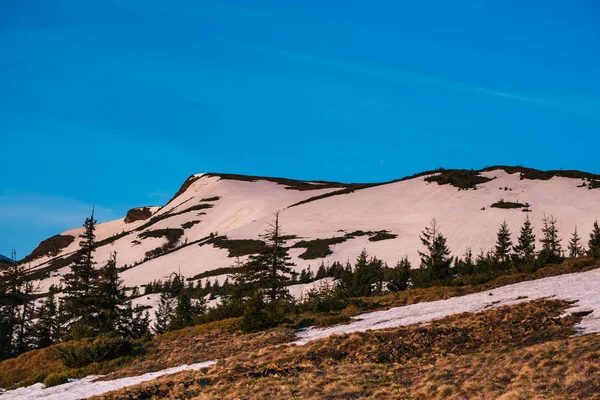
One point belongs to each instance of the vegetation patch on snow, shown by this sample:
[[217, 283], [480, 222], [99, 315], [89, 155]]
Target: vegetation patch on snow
[[460, 178], [509, 204], [291, 184], [319, 248], [189, 224], [237, 247], [382, 235]]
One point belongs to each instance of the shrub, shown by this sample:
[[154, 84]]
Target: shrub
[[56, 379], [84, 352], [509, 204]]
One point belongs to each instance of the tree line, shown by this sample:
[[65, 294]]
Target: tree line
[[91, 302]]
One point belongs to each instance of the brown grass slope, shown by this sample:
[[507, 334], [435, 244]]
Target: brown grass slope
[[520, 351]]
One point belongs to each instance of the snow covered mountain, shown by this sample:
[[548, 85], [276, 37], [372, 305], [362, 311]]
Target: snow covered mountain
[[214, 218]]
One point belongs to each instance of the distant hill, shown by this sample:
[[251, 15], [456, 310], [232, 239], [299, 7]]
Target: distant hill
[[214, 218], [5, 260]]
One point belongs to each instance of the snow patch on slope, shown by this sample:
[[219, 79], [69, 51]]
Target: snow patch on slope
[[88, 386], [581, 287]]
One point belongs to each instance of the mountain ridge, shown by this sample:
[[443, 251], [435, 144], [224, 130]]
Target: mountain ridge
[[238, 208]]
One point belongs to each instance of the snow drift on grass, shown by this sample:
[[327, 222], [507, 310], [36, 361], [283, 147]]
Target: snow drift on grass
[[581, 287], [86, 387]]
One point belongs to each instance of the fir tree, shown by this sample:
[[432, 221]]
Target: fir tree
[[594, 242], [466, 265], [270, 269], [525, 249], [164, 314], [435, 260], [503, 244], [551, 251], [80, 286], [16, 310], [256, 315], [133, 322], [575, 247], [47, 329], [321, 272], [110, 296], [398, 278], [184, 313]]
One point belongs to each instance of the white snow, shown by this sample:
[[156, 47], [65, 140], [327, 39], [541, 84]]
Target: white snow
[[581, 287], [404, 208], [88, 386]]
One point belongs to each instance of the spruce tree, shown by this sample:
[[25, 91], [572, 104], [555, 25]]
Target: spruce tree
[[435, 260], [551, 251], [270, 270], [594, 242], [47, 329], [16, 310], [465, 266], [110, 295], [133, 322], [257, 316], [164, 313], [184, 312], [525, 248], [575, 247], [398, 278], [503, 245], [80, 286]]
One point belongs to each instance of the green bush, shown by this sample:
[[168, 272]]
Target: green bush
[[56, 379], [84, 352]]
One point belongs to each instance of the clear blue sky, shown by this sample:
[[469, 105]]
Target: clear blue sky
[[115, 102]]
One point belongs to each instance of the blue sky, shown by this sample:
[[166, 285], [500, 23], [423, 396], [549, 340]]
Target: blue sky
[[113, 103]]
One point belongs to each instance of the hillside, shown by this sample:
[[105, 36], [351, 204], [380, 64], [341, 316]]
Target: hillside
[[214, 218]]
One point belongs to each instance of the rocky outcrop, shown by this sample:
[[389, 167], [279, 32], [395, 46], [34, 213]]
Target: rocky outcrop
[[138, 214], [50, 247]]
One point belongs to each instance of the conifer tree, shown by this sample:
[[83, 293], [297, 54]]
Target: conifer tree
[[164, 314], [435, 260], [594, 242], [525, 248], [551, 251], [184, 313], [270, 270], [80, 286], [465, 266], [398, 278], [257, 316], [133, 322], [110, 295], [503, 244], [575, 247], [16, 310], [47, 329]]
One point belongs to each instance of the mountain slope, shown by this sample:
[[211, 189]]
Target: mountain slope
[[215, 217]]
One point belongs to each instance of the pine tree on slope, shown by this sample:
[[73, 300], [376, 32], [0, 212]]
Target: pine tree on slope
[[80, 286], [110, 296], [163, 314], [525, 249], [575, 247], [551, 251], [594, 242], [503, 245], [436, 259]]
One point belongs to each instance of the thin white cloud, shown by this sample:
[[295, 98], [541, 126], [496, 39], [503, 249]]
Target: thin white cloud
[[584, 106]]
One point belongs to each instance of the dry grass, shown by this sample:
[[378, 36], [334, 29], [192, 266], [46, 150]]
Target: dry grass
[[221, 339], [521, 351]]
